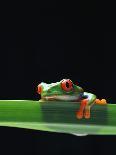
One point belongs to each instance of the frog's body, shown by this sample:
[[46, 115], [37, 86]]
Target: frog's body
[[65, 90]]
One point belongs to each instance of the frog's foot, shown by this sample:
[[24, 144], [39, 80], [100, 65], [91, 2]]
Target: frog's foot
[[102, 101], [79, 114], [87, 114]]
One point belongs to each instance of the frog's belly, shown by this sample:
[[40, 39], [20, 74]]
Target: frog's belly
[[63, 97]]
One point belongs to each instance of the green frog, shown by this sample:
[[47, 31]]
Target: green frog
[[66, 90]]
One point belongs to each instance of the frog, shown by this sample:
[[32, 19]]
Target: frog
[[66, 90]]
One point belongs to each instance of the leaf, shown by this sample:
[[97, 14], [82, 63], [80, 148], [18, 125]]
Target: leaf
[[57, 117]]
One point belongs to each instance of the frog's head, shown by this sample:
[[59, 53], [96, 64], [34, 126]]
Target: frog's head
[[64, 90]]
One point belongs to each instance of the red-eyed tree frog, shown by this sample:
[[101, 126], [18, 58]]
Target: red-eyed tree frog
[[66, 90]]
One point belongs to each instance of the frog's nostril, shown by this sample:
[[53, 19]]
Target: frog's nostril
[[39, 89]]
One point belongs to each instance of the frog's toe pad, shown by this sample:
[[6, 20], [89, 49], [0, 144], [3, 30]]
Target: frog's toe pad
[[103, 101], [97, 101], [87, 115], [79, 115]]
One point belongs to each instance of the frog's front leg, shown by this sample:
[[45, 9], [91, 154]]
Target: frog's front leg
[[86, 103]]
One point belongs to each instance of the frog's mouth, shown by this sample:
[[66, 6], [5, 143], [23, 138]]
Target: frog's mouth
[[62, 97]]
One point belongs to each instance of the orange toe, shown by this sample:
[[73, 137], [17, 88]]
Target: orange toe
[[79, 115], [103, 101], [87, 115], [97, 101]]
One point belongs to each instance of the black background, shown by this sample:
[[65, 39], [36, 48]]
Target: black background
[[49, 43]]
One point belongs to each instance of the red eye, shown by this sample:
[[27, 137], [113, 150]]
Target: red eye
[[67, 85], [39, 89]]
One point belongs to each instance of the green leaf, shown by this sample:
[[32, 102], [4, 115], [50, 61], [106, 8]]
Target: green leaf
[[57, 117]]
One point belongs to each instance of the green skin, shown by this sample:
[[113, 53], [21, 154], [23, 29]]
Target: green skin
[[54, 91]]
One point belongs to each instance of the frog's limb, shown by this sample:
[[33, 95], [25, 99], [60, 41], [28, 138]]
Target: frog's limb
[[82, 107], [87, 111], [86, 103], [91, 100]]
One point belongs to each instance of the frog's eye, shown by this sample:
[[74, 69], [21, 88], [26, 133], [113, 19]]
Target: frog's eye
[[67, 85], [39, 89]]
